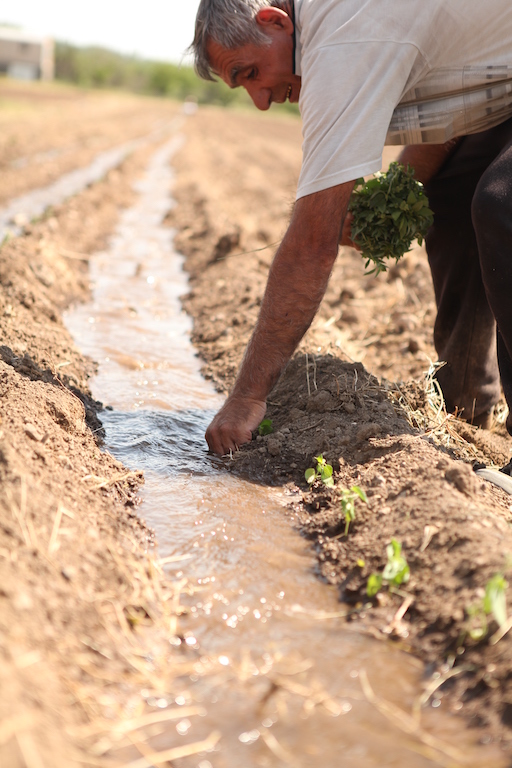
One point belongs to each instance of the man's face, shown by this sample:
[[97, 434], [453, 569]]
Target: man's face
[[266, 72]]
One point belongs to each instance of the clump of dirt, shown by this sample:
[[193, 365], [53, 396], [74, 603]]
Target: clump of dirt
[[381, 424], [322, 405]]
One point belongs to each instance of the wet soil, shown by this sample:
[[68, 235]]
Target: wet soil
[[85, 612], [357, 393]]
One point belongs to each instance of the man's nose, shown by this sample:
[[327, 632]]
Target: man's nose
[[260, 96]]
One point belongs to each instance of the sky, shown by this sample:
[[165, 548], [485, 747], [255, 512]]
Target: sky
[[151, 29]]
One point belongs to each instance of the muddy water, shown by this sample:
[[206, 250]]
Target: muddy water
[[280, 676]]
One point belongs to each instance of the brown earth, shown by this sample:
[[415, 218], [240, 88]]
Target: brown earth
[[380, 425], [85, 612], [78, 572]]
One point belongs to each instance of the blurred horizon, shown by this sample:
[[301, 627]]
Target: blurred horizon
[[161, 31], [102, 61]]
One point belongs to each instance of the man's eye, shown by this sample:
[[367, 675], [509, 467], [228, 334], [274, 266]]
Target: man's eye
[[251, 74]]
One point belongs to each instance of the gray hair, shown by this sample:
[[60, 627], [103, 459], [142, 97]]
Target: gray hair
[[229, 23]]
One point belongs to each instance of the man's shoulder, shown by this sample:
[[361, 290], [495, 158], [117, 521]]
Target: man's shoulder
[[344, 23]]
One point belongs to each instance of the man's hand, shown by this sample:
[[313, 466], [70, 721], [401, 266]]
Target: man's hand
[[427, 159], [234, 424], [296, 284], [346, 232]]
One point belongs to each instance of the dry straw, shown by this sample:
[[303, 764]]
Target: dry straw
[[429, 415]]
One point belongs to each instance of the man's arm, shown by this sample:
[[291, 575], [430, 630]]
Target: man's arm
[[427, 159], [296, 284]]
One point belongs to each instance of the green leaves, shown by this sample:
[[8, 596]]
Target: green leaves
[[323, 472], [310, 475], [265, 428], [348, 498], [374, 584], [396, 571], [493, 602], [495, 599], [390, 211]]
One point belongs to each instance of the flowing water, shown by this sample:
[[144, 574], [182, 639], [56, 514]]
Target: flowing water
[[279, 674], [21, 210]]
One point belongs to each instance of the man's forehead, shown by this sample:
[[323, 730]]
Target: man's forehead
[[228, 62]]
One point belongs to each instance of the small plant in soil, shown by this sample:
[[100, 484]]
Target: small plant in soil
[[323, 472], [5, 239], [396, 571], [265, 428], [348, 498], [494, 602], [389, 212]]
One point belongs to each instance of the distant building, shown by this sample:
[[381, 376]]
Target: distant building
[[25, 55]]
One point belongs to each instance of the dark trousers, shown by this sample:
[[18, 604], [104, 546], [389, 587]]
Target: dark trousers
[[469, 249]]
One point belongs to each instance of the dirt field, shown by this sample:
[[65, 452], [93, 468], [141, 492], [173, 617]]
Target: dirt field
[[358, 394], [76, 572], [84, 608]]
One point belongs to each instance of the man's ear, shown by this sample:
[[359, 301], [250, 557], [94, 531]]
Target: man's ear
[[274, 17]]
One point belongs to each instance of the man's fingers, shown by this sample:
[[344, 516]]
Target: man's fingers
[[233, 425], [346, 232], [226, 437]]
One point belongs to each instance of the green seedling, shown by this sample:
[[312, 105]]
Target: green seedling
[[389, 212], [396, 571], [374, 584], [265, 428], [322, 472], [494, 602], [6, 238], [348, 498], [495, 599]]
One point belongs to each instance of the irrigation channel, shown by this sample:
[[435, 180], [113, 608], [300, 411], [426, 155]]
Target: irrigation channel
[[285, 681]]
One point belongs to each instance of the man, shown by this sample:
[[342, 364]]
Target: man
[[434, 75]]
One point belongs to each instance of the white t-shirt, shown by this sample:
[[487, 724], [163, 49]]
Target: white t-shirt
[[378, 72]]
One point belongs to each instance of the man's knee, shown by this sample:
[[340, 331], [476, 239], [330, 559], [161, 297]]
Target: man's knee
[[491, 205], [492, 216], [488, 202]]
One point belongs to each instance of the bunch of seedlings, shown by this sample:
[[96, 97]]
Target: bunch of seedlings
[[389, 212]]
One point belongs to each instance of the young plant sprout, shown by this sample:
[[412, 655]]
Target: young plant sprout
[[348, 498], [322, 472], [493, 602], [389, 212], [396, 571], [495, 599], [265, 428]]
